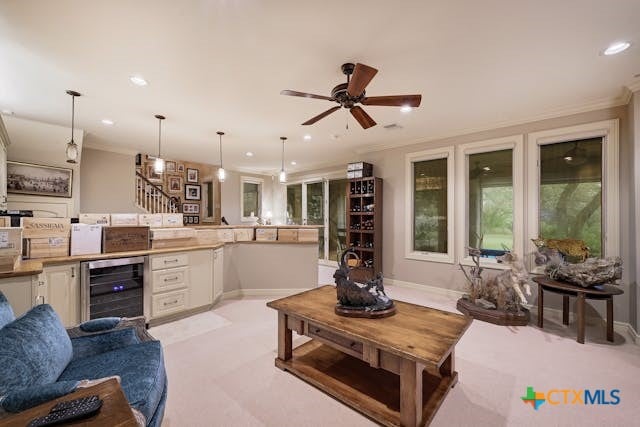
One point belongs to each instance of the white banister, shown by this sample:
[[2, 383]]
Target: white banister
[[151, 199]]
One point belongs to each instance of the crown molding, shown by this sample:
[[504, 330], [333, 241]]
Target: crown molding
[[601, 104], [634, 87]]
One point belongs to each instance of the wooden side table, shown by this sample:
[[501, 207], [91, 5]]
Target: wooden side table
[[115, 411], [602, 292]]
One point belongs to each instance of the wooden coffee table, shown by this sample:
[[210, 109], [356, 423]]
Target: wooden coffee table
[[396, 370], [603, 292], [115, 410]]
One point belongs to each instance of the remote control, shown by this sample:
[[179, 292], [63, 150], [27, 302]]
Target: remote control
[[69, 411]]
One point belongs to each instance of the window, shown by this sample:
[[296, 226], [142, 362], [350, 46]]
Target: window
[[490, 200], [573, 174], [294, 204], [321, 203], [251, 198], [571, 192], [430, 211]]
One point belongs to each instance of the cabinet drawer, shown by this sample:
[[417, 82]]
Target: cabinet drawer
[[169, 303], [169, 279], [159, 262], [339, 342]]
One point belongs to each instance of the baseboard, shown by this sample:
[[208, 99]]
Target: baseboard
[[239, 293], [427, 288], [549, 313]]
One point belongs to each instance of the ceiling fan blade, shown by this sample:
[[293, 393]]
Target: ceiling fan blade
[[304, 95], [362, 117], [361, 77], [393, 100], [320, 116]]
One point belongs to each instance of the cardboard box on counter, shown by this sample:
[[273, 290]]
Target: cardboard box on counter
[[172, 220], [266, 234], [287, 234], [10, 241], [45, 227], [172, 233], [94, 219], [308, 235], [243, 234], [124, 220], [151, 220], [46, 247], [86, 239]]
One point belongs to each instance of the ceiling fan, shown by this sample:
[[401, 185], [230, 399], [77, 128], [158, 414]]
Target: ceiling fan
[[351, 93]]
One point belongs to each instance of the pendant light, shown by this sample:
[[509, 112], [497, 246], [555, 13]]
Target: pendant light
[[222, 174], [283, 174], [72, 147], [158, 165]]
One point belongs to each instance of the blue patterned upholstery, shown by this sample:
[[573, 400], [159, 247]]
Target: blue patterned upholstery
[[140, 367], [6, 312], [35, 349], [39, 362]]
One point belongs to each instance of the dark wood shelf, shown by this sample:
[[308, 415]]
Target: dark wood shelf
[[363, 237]]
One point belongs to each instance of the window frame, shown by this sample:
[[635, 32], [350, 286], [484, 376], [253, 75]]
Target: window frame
[[251, 180], [609, 132], [411, 158], [516, 144]]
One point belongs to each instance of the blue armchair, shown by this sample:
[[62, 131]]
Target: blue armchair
[[40, 360]]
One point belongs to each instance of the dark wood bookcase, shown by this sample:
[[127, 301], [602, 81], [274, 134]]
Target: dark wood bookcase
[[364, 225]]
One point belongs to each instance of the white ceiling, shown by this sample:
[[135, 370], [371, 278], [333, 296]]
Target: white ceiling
[[220, 65]]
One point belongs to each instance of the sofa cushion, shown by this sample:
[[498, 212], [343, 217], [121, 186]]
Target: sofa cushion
[[6, 312], [35, 349], [101, 324], [140, 367], [90, 345]]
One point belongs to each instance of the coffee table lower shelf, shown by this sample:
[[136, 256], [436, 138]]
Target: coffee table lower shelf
[[373, 392]]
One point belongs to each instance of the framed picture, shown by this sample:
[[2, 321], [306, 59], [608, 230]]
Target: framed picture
[[191, 208], [170, 166], [152, 175], [175, 201], [191, 219], [27, 178], [191, 192], [192, 175], [175, 184], [180, 168]]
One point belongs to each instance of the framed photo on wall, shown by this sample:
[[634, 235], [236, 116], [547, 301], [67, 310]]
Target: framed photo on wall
[[170, 166], [38, 180], [191, 208], [192, 175], [191, 192], [180, 168], [152, 175], [175, 184]]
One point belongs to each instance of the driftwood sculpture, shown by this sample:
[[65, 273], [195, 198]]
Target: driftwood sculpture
[[592, 272], [355, 300]]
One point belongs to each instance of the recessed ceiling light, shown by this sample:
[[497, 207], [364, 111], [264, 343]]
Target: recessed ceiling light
[[138, 80], [7, 112], [307, 137], [248, 154], [107, 122], [294, 163], [616, 47], [406, 109]]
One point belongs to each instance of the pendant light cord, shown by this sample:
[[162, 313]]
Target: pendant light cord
[[282, 155], [220, 145], [159, 136], [73, 114]]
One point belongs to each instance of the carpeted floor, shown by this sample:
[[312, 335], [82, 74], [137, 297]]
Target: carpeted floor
[[224, 375]]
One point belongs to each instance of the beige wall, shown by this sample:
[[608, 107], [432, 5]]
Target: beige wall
[[108, 182], [634, 231], [389, 165], [43, 144], [231, 196]]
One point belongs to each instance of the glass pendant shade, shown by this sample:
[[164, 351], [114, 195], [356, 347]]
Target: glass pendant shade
[[158, 165], [283, 174], [283, 177], [72, 152], [222, 174]]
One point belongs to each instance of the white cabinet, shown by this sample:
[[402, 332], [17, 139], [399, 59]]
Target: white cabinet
[[179, 282], [59, 286], [20, 292], [218, 267], [201, 278]]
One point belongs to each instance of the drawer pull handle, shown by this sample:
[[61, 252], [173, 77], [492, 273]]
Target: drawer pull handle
[[171, 279], [169, 261], [171, 303]]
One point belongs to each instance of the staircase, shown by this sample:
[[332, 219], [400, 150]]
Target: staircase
[[151, 199]]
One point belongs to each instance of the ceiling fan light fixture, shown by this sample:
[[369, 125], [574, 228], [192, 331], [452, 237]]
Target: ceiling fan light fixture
[[406, 109], [617, 47], [72, 148]]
